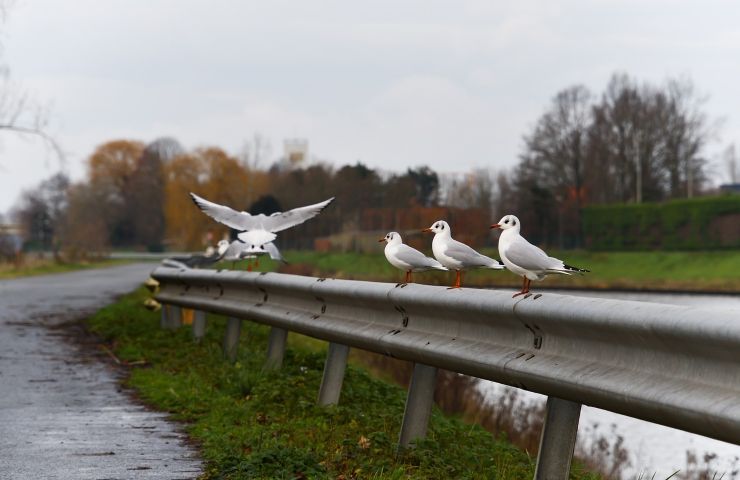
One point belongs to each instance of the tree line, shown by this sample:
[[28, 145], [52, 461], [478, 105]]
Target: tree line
[[632, 143]]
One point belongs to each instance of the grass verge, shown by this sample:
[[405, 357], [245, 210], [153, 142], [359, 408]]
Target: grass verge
[[252, 423], [717, 271]]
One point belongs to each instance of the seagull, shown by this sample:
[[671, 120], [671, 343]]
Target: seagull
[[238, 250], [199, 260], [407, 258], [258, 231], [525, 259], [456, 255]]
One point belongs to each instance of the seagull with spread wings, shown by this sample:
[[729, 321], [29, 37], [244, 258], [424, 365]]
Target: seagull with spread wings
[[258, 231]]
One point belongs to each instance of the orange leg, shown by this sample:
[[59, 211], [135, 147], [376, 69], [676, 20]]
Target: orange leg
[[249, 265], [525, 287], [408, 277], [458, 280], [257, 262]]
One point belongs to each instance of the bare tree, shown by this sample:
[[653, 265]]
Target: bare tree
[[19, 112], [555, 155]]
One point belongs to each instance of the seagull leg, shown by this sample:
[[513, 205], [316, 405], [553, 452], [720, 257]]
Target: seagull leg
[[257, 262], [458, 280], [525, 288], [249, 265], [408, 277]]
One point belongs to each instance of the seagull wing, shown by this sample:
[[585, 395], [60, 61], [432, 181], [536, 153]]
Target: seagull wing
[[280, 221], [274, 253], [226, 215], [468, 256], [530, 257], [416, 259]]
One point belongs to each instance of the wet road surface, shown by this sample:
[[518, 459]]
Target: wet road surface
[[63, 416]]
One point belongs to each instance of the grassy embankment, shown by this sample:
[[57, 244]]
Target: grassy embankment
[[690, 271], [255, 424], [43, 266]]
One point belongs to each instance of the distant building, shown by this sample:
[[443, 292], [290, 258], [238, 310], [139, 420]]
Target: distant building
[[295, 154], [730, 188], [11, 239]]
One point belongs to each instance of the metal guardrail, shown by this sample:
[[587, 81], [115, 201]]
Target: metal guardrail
[[677, 366]]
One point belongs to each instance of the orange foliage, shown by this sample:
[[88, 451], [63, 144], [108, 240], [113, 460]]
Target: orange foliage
[[114, 162], [214, 175]]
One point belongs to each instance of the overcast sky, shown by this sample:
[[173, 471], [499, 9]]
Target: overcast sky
[[393, 84]]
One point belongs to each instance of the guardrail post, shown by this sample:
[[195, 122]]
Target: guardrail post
[[558, 439], [276, 348], [199, 325], [331, 381], [418, 404], [173, 318], [231, 338]]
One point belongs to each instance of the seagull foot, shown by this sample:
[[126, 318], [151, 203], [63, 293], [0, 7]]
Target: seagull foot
[[537, 296], [453, 288], [401, 285], [519, 293]]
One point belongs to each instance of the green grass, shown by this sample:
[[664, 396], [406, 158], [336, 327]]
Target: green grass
[[255, 424], [48, 266], [691, 271]]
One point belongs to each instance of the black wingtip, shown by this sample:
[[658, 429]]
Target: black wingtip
[[576, 269], [194, 198]]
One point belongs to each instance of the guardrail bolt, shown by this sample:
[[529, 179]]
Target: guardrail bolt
[[231, 338], [418, 404], [558, 439], [276, 348], [331, 381]]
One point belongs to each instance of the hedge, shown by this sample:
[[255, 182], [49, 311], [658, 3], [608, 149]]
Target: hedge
[[692, 224]]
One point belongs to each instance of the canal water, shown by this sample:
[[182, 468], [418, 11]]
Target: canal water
[[652, 449]]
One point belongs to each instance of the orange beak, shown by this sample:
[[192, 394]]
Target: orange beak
[[496, 225], [427, 230], [381, 240]]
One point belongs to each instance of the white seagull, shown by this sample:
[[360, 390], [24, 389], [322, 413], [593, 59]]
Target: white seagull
[[456, 255], [525, 259], [199, 260], [407, 258], [238, 250], [258, 231]]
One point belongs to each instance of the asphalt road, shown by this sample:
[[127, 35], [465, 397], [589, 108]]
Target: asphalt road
[[62, 413]]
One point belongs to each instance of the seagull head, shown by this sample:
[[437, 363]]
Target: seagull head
[[440, 226], [391, 238], [222, 245], [507, 222]]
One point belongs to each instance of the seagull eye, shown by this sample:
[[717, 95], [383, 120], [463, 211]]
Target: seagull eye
[[506, 221], [513, 222]]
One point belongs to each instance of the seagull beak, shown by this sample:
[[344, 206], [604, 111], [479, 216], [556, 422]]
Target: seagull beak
[[381, 240], [426, 230], [496, 225]]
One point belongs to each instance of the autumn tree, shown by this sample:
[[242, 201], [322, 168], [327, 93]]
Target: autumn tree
[[148, 187], [85, 227], [111, 170], [212, 174]]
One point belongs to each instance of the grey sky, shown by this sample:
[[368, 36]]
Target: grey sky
[[394, 84]]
